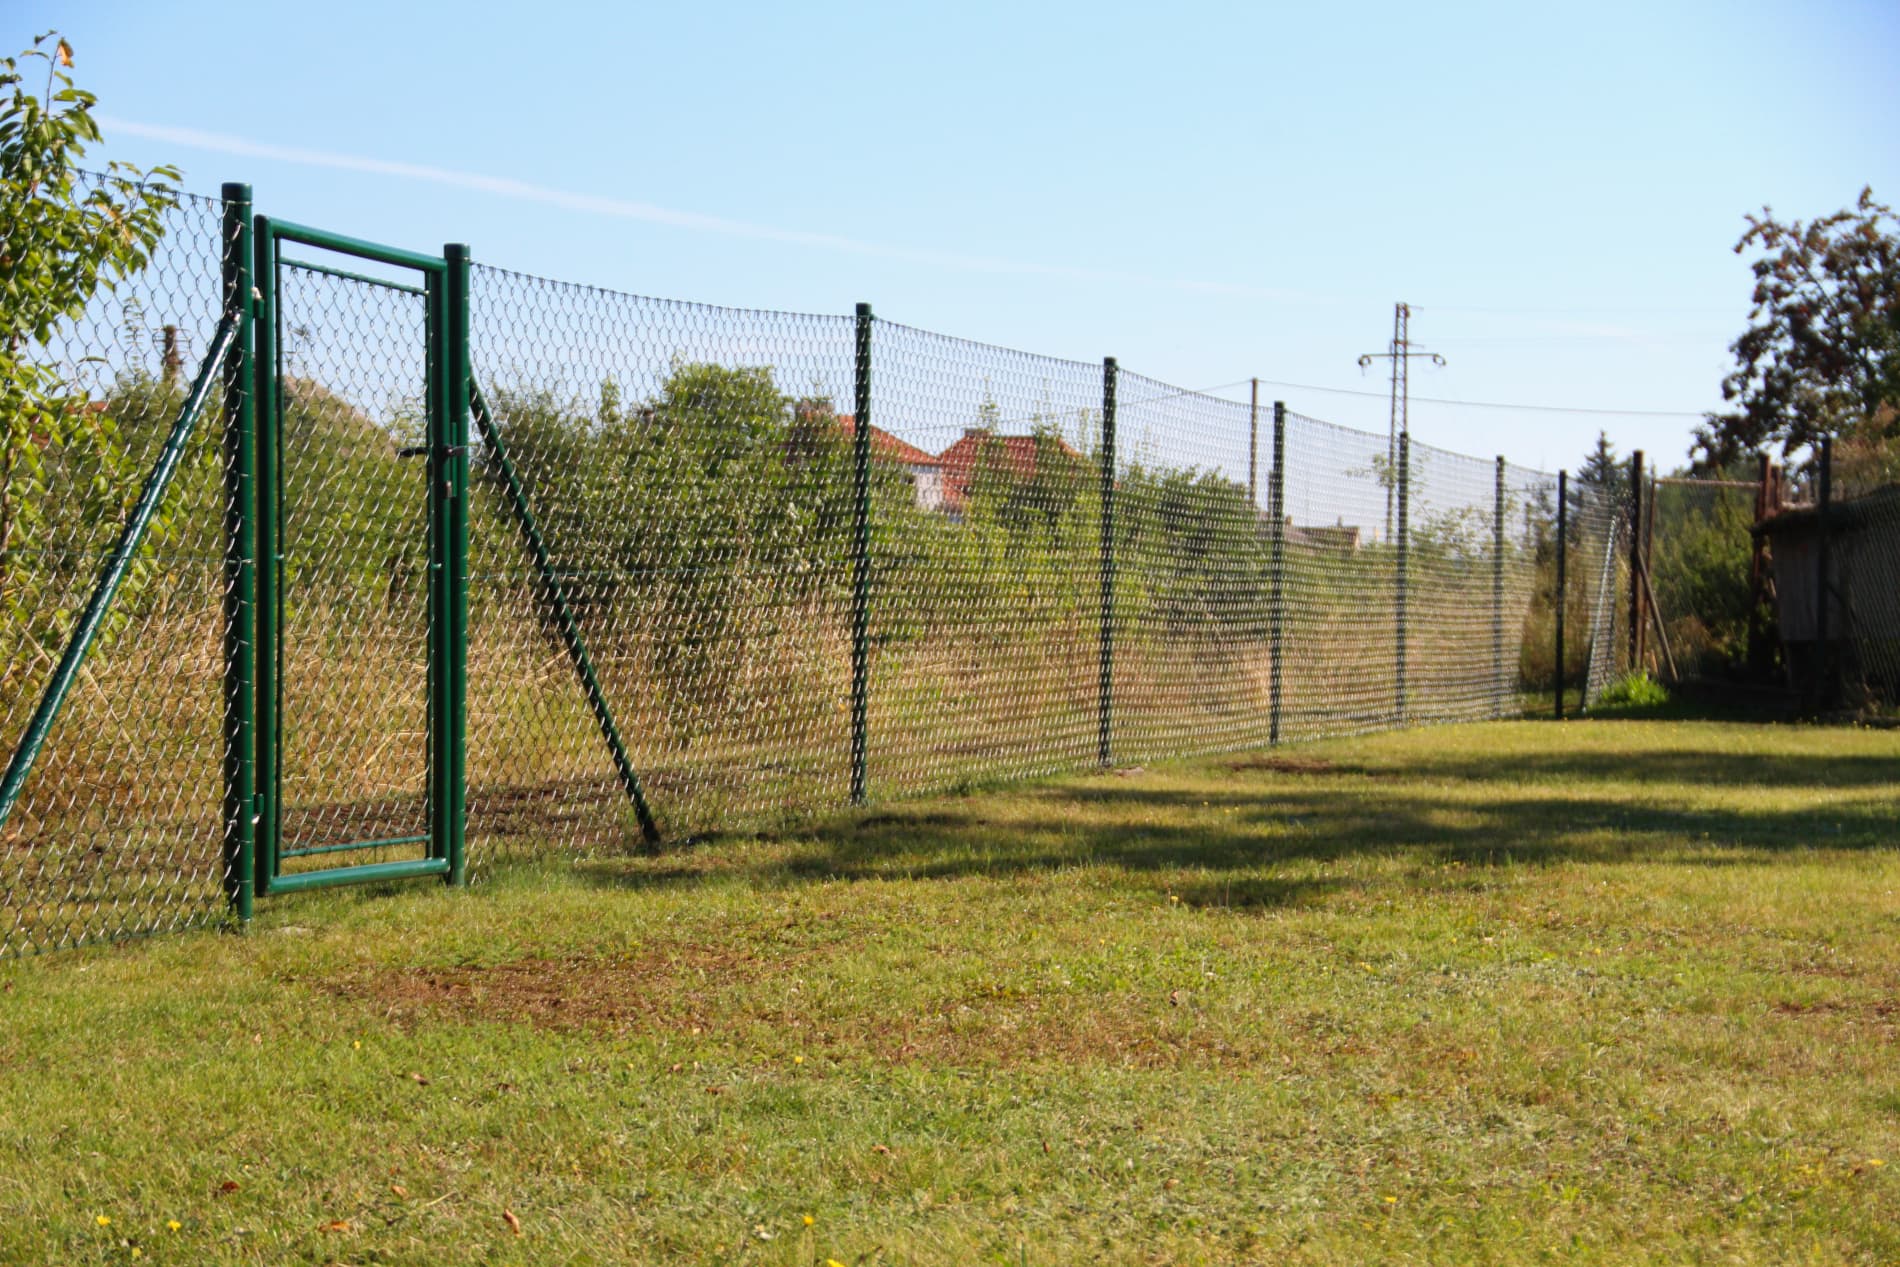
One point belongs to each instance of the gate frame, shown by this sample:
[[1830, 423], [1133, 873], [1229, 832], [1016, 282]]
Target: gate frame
[[255, 529]]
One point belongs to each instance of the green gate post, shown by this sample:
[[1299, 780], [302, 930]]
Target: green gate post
[[454, 492], [1405, 495], [1563, 588], [268, 614], [1497, 591], [860, 552], [240, 562], [1276, 606], [1111, 372]]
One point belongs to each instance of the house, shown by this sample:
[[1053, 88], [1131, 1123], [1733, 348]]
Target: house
[[1013, 454], [926, 472], [1342, 536]]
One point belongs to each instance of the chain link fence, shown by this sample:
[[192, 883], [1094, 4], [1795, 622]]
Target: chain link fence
[[724, 566], [117, 832]]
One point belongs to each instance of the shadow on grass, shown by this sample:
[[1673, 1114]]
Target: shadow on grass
[[1219, 841]]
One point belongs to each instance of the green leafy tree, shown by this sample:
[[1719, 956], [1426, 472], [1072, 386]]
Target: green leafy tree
[[1821, 356], [64, 237]]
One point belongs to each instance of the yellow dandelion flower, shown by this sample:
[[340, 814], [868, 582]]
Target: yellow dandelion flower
[[809, 1220], [137, 1252], [173, 1224], [103, 1220], [832, 1262], [798, 1060], [1875, 1161], [1391, 1200]]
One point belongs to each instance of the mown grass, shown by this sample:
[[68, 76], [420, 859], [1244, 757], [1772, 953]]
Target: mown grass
[[1610, 991]]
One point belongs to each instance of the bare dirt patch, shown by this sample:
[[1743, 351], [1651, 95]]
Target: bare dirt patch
[[675, 987], [1282, 765]]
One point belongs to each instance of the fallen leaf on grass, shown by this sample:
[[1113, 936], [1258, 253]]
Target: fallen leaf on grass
[[229, 1185], [337, 1225], [418, 1079], [399, 1190], [514, 1224]]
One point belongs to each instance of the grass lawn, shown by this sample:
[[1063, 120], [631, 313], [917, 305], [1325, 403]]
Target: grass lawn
[[1606, 991]]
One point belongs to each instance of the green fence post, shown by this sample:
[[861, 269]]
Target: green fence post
[[454, 476], [240, 563], [860, 552], [1111, 372], [1497, 591], [1563, 587], [268, 614], [1404, 542], [1276, 606]]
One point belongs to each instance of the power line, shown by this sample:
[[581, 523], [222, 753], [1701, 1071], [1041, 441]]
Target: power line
[[1496, 404]]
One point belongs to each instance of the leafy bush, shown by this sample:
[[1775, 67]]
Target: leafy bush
[[1632, 692]]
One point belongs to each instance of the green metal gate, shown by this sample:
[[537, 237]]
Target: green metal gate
[[357, 658]]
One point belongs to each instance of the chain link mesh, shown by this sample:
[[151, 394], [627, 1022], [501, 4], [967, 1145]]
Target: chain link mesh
[[118, 829], [663, 568], [354, 625]]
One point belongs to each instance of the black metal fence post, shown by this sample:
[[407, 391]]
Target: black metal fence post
[[861, 553], [1823, 652], [1404, 479], [1106, 708], [1276, 609], [1562, 600], [1497, 590], [1636, 561]]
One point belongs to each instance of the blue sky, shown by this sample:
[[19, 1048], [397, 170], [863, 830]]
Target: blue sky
[[1209, 192]]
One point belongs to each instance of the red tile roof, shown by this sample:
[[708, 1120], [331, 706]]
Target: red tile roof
[[888, 446], [1016, 454]]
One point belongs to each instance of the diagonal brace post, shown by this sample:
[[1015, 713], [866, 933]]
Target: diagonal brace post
[[112, 575], [555, 595]]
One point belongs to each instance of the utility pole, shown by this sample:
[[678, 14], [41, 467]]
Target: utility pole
[[1400, 353]]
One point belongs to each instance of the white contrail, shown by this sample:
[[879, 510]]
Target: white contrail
[[505, 187]]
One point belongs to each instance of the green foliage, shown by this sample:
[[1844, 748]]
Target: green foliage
[[62, 241], [66, 464], [1700, 569], [1632, 692], [1823, 351], [1604, 473]]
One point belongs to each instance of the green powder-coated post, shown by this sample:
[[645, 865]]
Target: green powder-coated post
[[1276, 605], [435, 407], [454, 480], [112, 575], [1106, 687], [1400, 577], [267, 662], [1563, 589], [240, 563], [1497, 591], [554, 595], [860, 552]]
